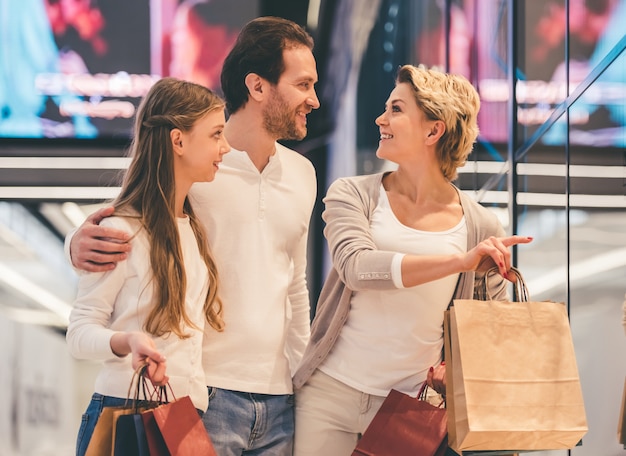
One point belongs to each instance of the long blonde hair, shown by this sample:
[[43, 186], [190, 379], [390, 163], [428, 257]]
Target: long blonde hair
[[148, 194]]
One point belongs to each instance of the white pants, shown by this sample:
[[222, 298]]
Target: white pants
[[330, 416]]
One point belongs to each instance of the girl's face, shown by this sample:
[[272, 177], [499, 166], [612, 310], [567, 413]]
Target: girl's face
[[403, 126], [203, 147]]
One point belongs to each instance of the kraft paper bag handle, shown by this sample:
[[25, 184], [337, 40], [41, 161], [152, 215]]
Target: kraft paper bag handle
[[162, 396], [520, 289], [140, 384], [423, 395]]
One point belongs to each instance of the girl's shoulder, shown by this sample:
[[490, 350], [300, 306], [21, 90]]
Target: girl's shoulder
[[125, 222]]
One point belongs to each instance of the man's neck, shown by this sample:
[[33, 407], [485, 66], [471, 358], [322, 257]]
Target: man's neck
[[245, 132]]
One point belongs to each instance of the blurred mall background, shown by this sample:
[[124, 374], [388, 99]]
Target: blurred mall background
[[550, 161]]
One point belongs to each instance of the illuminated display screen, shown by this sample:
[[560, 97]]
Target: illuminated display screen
[[478, 50], [78, 68]]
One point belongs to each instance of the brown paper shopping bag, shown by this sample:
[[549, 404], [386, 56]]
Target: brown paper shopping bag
[[512, 379], [450, 408]]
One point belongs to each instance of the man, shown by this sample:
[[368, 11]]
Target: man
[[256, 214]]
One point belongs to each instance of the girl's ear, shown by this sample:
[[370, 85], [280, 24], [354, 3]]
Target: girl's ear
[[176, 136], [256, 86], [437, 129]]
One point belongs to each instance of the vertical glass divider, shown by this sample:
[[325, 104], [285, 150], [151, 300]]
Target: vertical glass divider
[[512, 37]]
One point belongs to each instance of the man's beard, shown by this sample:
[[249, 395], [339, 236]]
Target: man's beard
[[280, 120]]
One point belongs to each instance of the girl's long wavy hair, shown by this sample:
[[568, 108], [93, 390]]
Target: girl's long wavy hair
[[148, 195]]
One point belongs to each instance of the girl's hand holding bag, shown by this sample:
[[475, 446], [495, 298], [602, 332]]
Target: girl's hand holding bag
[[175, 428]]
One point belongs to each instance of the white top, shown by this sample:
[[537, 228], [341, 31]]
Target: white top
[[121, 300], [392, 337], [257, 224]]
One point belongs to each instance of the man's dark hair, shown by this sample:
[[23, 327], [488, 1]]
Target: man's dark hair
[[259, 49]]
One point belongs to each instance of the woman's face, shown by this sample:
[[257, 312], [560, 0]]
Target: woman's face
[[403, 126]]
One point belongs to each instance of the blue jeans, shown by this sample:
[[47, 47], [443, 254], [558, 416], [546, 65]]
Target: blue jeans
[[249, 423], [90, 418]]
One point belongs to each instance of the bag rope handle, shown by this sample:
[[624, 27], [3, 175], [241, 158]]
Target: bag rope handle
[[139, 382], [162, 394], [520, 290], [421, 396]]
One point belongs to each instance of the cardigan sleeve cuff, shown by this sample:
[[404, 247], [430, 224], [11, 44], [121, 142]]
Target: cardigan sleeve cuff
[[396, 270]]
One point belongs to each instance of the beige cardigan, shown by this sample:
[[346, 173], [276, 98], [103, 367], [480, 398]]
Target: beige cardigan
[[359, 265]]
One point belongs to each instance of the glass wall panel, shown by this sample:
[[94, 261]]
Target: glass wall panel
[[571, 181], [427, 32], [388, 48], [597, 265], [579, 254], [541, 47], [542, 213], [489, 70], [598, 118]]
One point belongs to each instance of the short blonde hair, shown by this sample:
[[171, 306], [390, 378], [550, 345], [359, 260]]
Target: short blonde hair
[[452, 99]]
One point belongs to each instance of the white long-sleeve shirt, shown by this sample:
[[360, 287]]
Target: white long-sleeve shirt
[[257, 225], [121, 300]]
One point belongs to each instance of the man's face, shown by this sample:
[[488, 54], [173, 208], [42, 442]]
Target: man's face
[[293, 97]]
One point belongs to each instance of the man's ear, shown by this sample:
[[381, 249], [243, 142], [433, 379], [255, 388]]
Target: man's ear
[[176, 136], [437, 129], [256, 86]]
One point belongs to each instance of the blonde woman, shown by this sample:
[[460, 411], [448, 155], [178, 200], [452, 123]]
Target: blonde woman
[[403, 245], [153, 308]]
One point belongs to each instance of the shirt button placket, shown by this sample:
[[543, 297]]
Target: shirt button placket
[[262, 192]]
